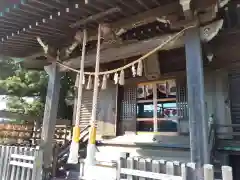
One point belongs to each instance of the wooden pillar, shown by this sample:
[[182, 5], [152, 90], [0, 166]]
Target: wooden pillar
[[196, 99], [50, 114]]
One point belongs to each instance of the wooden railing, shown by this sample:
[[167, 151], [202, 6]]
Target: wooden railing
[[139, 168], [20, 163], [144, 169]]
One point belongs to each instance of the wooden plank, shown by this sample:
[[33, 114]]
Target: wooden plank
[[141, 18], [150, 175], [19, 169], [162, 166], [227, 173], [37, 164], [50, 113], [208, 172], [130, 165], [23, 157], [170, 168], [191, 171], [142, 165], [183, 171], [21, 164], [155, 166]]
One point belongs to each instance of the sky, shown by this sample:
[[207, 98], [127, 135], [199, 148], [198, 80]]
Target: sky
[[2, 103]]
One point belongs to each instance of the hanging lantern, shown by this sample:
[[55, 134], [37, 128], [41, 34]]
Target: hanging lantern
[[104, 82], [140, 68], [89, 85], [115, 78], [121, 78], [134, 71]]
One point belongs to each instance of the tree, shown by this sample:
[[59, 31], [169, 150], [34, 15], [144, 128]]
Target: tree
[[20, 85], [26, 89]]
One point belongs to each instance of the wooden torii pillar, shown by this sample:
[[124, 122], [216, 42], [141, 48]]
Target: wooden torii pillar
[[198, 122], [50, 115], [196, 100]]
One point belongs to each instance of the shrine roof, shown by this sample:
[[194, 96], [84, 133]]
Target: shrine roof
[[57, 21]]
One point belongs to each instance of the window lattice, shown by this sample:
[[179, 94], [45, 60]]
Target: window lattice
[[182, 99], [129, 105]]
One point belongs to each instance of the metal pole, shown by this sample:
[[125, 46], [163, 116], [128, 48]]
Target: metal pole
[[196, 100]]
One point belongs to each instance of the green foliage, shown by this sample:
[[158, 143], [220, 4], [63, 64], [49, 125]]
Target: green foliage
[[25, 83], [21, 105], [8, 68], [18, 83]]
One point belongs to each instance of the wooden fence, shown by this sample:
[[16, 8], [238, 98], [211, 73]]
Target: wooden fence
[[145, 169], [20, 163]]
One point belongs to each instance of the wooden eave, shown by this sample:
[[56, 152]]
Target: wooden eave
[[51, 20], [142, 47]]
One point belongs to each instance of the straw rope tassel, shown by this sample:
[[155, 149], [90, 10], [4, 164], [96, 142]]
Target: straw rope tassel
[[115, 78], [134, 71], [122, 78], [73, 155], [104, 82], [89, 84], [91, 148], [140, 68]]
